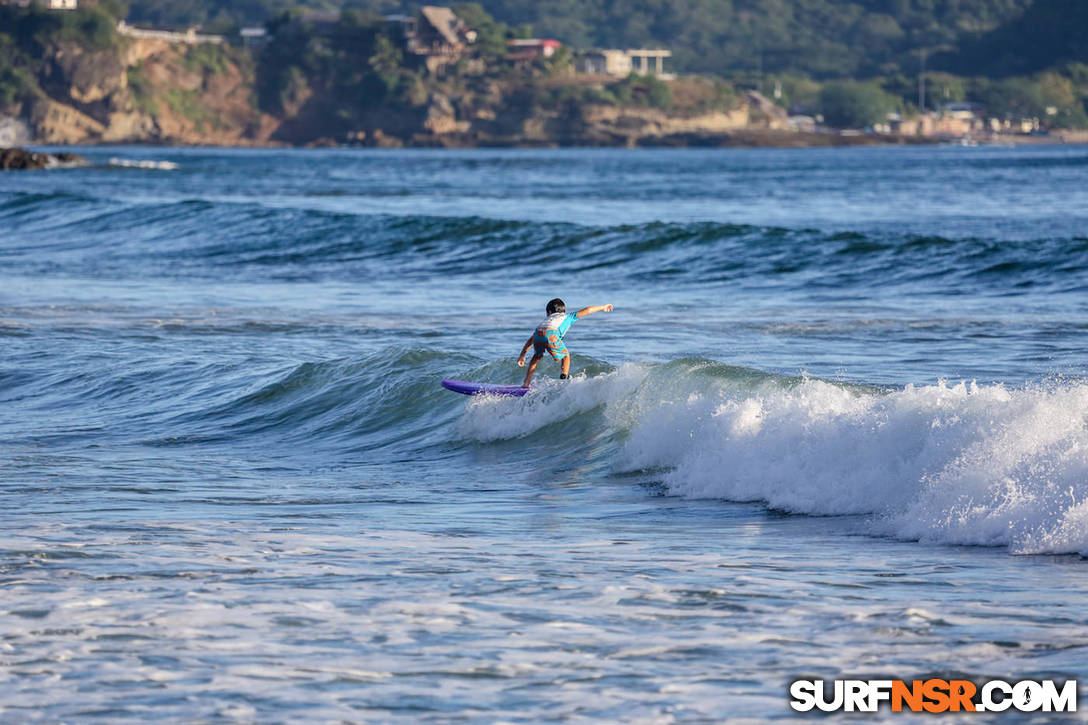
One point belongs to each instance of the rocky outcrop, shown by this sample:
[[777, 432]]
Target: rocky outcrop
[[766, 114], [15, 158], [56, 123], [589, 125], [84, 77], [152, 90], [145, 91], [441, 118], [644, 126]]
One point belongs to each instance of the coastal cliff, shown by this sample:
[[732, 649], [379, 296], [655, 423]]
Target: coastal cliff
[[508, 120], [149, 90], [146, 91], [458, 77]]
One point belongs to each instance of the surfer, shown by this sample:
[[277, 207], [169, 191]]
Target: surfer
[[548, 337]]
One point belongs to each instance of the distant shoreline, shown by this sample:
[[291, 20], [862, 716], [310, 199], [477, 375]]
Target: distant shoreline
[[752, 139]]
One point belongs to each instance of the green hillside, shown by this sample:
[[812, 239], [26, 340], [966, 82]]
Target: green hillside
[[1050, 33], [852, 62], [819, 38]]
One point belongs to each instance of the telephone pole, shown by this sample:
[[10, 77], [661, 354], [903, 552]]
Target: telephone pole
[[922, 85]]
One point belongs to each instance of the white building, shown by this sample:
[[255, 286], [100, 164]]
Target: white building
[[254, 36], [622, 63]]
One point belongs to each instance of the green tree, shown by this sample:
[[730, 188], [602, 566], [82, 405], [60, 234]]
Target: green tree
[[1050, 97], [636, 90], [799, 90], [116, 9], [847, 104], [562, 60], [387, 57], [490, 35], [1012, 98], [14, 86]]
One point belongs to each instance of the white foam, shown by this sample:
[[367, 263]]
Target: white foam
[[956, 463], [144, 164], [960, 463], [489, 418]]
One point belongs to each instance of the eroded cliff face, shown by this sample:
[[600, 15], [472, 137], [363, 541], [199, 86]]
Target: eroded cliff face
[[157, 91], [85, 77], [633, 126], [147, 91]]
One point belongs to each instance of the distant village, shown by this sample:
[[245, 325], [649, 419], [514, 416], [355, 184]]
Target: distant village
[[437, 37], [47, 4]]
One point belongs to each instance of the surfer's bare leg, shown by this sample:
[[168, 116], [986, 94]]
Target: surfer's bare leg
[[566, 365], [532, 369]]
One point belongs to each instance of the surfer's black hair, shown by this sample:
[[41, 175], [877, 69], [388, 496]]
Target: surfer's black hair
[[556, 305]]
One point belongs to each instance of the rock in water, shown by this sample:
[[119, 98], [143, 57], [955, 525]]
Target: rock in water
[[22, 159]]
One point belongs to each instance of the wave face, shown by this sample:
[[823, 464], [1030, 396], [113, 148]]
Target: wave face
[[951, 463]]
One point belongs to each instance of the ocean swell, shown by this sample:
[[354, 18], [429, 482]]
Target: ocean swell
[[202, 239], [954, 463]]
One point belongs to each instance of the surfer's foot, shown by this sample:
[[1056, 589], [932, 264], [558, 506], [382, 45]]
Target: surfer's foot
[[563, 376]]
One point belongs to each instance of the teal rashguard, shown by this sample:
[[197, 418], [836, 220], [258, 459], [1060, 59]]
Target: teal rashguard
[[549, 334]]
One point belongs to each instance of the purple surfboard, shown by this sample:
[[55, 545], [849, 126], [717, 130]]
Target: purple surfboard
[[460, 386]]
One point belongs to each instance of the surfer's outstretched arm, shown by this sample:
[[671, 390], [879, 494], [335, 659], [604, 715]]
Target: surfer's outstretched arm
[[591, 309]]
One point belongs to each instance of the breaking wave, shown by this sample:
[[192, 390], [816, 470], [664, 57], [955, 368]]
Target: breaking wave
[[143, 164], [955, 463]]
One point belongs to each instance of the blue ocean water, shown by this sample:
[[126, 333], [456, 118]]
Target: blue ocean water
[[836, 426]]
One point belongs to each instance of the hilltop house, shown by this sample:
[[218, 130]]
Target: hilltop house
[[622, 63], [531, 48], [603, 62], [436, 35]]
